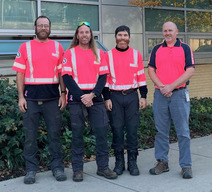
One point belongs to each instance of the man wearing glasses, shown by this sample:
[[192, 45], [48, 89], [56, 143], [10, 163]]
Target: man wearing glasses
[[84, 73], [38, 66]]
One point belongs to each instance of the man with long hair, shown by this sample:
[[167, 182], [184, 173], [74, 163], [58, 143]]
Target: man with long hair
[[84, 73]]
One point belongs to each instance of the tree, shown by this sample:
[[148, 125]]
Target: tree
[[158, 3], [196, 21]]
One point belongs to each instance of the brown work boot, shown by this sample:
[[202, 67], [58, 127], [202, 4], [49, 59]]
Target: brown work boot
[[107, 173], [160, 167], [187, 173], [78, 176]]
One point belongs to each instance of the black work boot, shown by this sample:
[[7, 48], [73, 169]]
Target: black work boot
[[132, 165], [30, 177], [120, 163]]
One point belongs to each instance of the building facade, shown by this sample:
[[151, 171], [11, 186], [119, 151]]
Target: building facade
[[193, 18]]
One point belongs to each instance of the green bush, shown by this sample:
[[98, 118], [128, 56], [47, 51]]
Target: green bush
[[12, 134], [11, 129], [201, 116]]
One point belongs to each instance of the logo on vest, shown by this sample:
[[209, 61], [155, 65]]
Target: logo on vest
[[64, 61], [18, 55]]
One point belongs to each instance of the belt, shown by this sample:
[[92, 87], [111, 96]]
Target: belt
[[178, 89], [125, 92]]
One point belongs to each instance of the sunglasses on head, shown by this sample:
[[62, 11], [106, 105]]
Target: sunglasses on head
[[84, 23]]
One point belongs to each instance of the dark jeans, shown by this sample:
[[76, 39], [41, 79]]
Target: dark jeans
[[52, 117], [125, 113], [99, 122]]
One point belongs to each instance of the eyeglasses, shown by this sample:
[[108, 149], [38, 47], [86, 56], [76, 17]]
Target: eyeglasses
[[41, 26], [84, 23]]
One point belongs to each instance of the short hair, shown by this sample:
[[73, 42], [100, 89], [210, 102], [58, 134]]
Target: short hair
[[42, 16], [122, 28]]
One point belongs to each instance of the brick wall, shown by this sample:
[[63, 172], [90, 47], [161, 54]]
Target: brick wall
[[200, 83]]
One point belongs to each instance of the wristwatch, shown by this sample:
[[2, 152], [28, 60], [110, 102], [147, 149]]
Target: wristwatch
[[65, 92]]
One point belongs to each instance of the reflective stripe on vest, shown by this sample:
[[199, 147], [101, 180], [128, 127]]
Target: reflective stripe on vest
[[112, 71], [57, 50], [125, 87], [31, 79], [135, 57], [20, 66], [74, 66]]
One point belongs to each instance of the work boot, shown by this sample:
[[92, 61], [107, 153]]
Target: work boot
[[78, 176], [107, 173], [160, 167], [59, 175], [30, 177], [132, 163], [120, 163], [187, 173]]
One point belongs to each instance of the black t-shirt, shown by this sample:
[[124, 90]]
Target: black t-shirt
[[43, 92]]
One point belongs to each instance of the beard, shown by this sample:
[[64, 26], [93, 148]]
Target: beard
[[122, 42], [42, 34]]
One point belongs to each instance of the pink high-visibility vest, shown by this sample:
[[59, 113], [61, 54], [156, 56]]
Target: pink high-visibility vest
[[126, 69], [40, 62]]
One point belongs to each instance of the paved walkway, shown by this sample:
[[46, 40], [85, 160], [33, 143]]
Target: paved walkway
[[167, 182]]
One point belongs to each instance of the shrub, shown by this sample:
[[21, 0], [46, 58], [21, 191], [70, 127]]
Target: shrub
[[11, 129], [201, 116], [12, 133], [146, 130]]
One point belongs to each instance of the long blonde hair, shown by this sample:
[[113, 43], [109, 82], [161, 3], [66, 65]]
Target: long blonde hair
[[92, 43]]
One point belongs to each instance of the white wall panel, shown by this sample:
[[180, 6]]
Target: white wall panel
[[114, 16]]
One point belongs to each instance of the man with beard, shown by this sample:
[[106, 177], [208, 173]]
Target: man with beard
[[84, 73], [121, 98], [38, 66]]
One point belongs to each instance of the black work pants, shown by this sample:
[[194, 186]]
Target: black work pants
[[99, 122], [125, 113], [52, 117]]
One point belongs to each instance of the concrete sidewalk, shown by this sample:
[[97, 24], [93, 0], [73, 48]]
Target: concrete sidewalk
[[167, 182]]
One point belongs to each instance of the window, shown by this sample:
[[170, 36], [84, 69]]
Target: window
[[155, 18], [152, 42], [65, 16], [201, 45], [203, 4], [89, 0], [193, 19], [173, 3], [19, 14], [199, 21]]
